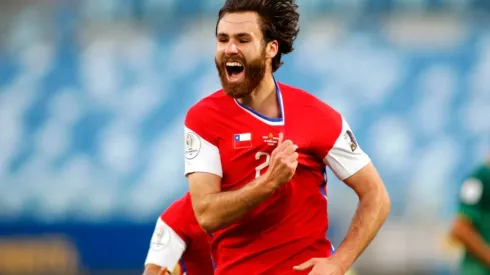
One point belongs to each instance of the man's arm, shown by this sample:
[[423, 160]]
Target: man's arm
[[464, 231], [353, 166], [215, 209], [374, 205], [372, 211], [166, 248], [153, 269]]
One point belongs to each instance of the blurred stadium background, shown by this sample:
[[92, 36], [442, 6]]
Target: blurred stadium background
[[93, 95]]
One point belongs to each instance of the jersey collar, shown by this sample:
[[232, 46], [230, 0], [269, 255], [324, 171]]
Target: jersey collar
[[267, 120]]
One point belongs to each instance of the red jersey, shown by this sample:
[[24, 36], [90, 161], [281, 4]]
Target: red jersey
[[178, 239], [228, 139]]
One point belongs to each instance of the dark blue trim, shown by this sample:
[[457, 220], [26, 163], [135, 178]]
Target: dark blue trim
[[182, 266], [323, 186], [279, 99], [323, 190], [212, 260]]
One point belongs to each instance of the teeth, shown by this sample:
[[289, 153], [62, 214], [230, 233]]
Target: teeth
[[233, 64]]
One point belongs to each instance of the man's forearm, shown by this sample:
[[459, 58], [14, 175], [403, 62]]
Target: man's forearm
[[370, 215], [219, 210], [464, 232], [475, 245], [152, 269]]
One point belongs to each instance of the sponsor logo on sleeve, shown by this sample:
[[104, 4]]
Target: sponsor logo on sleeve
[[351, 140], [160, 238], [192, 145]]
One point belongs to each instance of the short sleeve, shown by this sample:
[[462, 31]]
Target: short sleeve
[[470, 195], [166, 246], [334, 142], [201, 144], [346, 157]]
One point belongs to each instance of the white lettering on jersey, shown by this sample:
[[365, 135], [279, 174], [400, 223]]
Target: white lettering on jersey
[[346, 156], [201, 155], [471, 191], [263, 165], [166, 247]]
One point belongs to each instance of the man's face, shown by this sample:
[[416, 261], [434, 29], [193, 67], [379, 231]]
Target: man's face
[[240, 53]]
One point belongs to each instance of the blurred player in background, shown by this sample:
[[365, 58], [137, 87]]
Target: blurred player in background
[[179, 245], [472, 224], [256, 153]]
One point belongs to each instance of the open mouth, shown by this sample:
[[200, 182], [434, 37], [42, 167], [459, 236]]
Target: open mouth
[[235, 71]]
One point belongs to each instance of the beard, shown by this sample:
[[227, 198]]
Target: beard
[[253, 70]]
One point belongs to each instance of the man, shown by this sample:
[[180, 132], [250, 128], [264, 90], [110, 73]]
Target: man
[[472, 224], [256, 153], [177, 236]]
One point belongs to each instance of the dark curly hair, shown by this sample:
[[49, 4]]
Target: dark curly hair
[[279, 21]]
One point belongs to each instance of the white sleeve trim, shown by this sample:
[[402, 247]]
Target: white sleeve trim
[[471, 191], [166, 247], [346, 157], [201, 155]]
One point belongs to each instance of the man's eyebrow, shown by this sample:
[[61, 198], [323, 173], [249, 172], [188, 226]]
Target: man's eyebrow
[[239, 35]]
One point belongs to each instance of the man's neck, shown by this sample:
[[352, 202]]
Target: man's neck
[[263, 99]]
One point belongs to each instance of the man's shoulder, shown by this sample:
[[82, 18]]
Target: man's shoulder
[[204, 117], [308, 103], [178, 214], [209, 107], [302, 97], [482, 173], [212, 101], [296, 92], [180, 217]]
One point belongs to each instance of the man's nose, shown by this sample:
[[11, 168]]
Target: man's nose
[[231, 48]]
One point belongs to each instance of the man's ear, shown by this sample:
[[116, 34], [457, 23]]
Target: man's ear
[[272, 49]]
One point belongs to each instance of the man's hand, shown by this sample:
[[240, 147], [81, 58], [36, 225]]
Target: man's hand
[[283, 164], [153, 269], [321, 266]]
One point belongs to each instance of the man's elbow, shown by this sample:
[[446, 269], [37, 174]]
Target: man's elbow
[[385, 203], [459, 228], [454, 233], [207, 223], [379, 200], [206, 220]]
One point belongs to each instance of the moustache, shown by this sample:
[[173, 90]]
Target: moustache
[[233, 58]]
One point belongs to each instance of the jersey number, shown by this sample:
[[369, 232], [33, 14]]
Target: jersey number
[[264, 164]]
